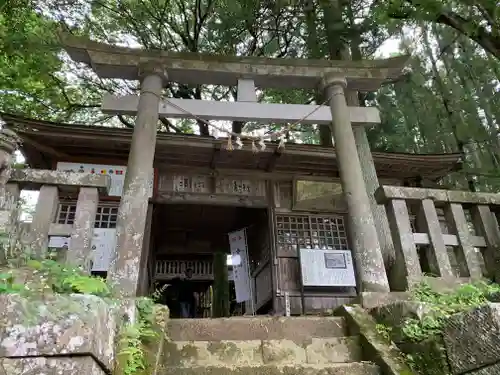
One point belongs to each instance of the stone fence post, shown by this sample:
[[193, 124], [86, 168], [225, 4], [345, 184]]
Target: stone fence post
[[50, 183], [9, 193]]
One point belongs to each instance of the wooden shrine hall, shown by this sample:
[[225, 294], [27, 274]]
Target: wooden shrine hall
[[287, 199]]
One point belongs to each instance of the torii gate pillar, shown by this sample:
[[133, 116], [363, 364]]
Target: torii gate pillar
[[132, 212], [364, 237]]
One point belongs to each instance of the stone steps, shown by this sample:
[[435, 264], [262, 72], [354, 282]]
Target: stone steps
[[266, 352], [357, 368], [263, 345], [297, 329]]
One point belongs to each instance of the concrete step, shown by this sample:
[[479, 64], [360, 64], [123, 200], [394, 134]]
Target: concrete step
[[297, 329], [357, 368], [262, 352]]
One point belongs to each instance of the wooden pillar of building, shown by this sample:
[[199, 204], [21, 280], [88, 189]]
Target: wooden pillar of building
[[366, 247], [132, 212]]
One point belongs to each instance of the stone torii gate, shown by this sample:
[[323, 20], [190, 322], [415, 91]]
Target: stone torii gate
[[154, 69]]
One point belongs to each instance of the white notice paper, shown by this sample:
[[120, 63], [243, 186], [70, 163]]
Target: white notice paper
[[241, 274], [58, 242], [103, 246]]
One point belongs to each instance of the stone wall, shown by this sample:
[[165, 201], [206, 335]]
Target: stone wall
[[57, 335], [472, 341], [54, 334], [466, 343]]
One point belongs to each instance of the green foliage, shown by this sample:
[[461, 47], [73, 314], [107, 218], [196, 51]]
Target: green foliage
[[446, 102], [444, 305], [134, 336], [28, 62], [384, 331], [427, 355], [33, 278], [38, 81], [8, 285], [431, 359], [56, 277], [478, 20]]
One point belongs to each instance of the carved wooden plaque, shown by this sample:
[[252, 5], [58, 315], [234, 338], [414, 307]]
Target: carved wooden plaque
[[318, 196], [186, 183], [239, 186]]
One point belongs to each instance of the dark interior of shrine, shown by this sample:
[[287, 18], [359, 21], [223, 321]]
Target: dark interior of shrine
[[190, 235]]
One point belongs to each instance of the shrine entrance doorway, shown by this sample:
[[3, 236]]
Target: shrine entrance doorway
[[198, 237]]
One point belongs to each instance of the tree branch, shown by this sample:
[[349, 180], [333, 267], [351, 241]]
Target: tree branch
[[467, 27], [125, 122], [168, 124]]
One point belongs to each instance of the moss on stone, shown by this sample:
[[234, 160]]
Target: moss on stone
[[416, 326], [375, 347]]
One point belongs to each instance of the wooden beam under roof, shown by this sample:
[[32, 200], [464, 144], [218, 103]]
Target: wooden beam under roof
[[80, 140], [215, 156], [45, 148], [273, 160]]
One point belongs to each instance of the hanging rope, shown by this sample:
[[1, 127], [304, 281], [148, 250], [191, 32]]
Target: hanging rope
[[258, 142]]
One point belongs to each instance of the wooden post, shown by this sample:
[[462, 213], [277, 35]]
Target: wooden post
[[220, 306]]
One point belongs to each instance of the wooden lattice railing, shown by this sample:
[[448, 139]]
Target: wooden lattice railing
[[474, 234], [169, 269]]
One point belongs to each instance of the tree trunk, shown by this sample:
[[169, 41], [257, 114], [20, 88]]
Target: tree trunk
[[202, 126], [455, 118], [334, 25]]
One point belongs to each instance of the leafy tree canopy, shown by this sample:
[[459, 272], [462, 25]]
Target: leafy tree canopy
[[479, 20]]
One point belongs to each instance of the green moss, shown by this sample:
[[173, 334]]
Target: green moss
[[384, 331], [225, 350]]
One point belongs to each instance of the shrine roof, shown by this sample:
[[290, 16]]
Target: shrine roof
[[45, 143], [110, 61]]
